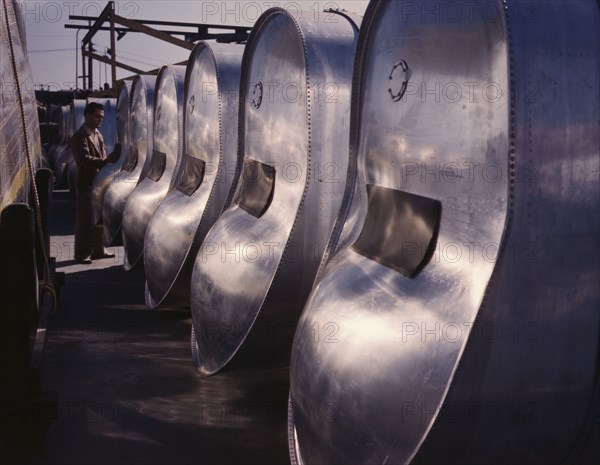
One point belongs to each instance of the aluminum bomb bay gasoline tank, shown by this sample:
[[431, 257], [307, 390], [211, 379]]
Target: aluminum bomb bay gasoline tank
[[110, 172], [163, 171], [107, 173], [66, 117], [136, 161], [183, 218], [462, 303], [112, 215], [257, 264]]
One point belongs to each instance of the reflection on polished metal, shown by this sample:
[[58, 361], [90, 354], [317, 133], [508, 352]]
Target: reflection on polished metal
[[164, 164], [137, 154], [257, 264], [458, 320], [112, 215], [72, 119], [108, 172], [183, 218], [19, 126]]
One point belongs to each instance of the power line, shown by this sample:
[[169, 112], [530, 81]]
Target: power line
[[127, 52], [52, 50], [29, 34], [128, 56]]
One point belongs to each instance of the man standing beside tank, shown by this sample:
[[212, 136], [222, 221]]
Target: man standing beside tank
[[89, 152]]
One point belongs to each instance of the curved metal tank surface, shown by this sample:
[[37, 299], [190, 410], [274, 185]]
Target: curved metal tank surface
[[458, 320], [65, 125], [135, 163], [183, 218], [113, 174], [256, 266], [109, 132], [19, 126], [164, 165], [19, 16]]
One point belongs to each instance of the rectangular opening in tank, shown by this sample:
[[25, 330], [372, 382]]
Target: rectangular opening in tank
[[193, 175], [157, 165], [400, 229], [131, 161], [116, 153], [257, 184]]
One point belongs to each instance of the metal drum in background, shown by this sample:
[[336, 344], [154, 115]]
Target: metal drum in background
[[257, 264], [138, 152], [58, 119], [109, 132], [66, 120], [49, 116], [183, 218], [76, 117], [166, 158], [458, 320], [65, 123], [62, 158]]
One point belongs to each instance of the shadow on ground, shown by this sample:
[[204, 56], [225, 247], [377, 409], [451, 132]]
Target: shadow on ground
[[127, 389]]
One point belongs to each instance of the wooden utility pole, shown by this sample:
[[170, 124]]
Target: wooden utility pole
[[90, 68], [113, 50]]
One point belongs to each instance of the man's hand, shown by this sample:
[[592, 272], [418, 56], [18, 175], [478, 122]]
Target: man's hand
[[114, 156]]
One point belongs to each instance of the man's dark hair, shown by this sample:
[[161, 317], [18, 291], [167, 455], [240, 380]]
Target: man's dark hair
[[92, 107]]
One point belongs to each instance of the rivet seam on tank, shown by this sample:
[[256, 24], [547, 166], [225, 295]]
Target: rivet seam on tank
[[257, 94], [405, 75]]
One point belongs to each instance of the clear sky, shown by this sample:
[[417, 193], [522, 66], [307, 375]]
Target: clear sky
[[54, 50]]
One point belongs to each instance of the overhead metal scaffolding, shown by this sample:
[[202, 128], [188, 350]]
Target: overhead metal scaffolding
[[194, 32]]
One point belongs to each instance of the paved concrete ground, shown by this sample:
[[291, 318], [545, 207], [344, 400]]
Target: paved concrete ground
[[128, 392]]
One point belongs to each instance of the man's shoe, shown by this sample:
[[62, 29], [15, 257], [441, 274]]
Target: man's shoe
[[105, 254], [84, 261]]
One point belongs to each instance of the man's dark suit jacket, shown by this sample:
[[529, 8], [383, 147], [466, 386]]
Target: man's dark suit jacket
[[88, 157]]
